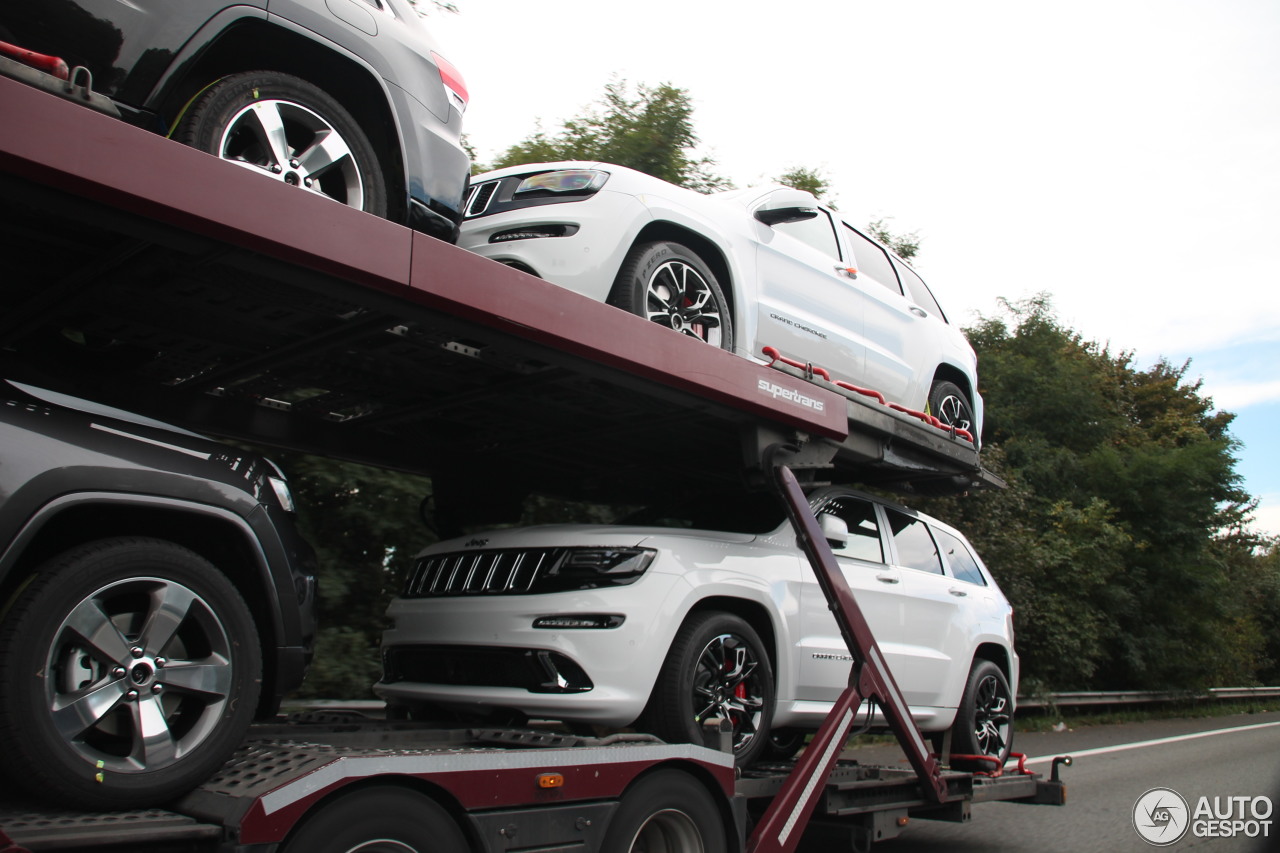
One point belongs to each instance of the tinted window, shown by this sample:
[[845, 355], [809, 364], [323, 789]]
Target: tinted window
[[920, 293], [864, 530], [872, 261], [963, 566], [817, 232], [916, 548]]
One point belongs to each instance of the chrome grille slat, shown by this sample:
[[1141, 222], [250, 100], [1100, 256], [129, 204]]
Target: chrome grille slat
[[507, 571]]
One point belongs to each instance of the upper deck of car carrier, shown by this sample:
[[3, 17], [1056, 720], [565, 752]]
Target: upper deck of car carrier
[[156, 278]]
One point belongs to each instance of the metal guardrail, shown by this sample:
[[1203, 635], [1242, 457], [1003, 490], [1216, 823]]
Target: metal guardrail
[[1095, 698], [1079, 699]]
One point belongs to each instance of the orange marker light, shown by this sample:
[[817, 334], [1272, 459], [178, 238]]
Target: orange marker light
[[550, 780]]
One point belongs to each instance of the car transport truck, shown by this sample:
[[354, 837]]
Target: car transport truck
[[148, 278]]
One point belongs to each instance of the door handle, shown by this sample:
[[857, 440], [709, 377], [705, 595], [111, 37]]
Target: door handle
[[919, 312], [852, 272], [958, 593], [886, 579]]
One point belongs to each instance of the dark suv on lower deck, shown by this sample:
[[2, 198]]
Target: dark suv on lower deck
[[155, 598], [346, 98]]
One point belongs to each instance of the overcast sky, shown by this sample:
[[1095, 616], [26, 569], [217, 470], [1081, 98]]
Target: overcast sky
[[1122, 156]]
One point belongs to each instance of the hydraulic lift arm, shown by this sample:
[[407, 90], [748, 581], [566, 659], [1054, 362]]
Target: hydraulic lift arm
[[781, 826]]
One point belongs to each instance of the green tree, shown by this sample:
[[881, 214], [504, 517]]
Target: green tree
[[365, 526], [1116, 537], [650, 131], [905, 246], [809, 180]]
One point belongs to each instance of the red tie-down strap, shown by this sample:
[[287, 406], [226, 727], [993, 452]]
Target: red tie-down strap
[[48, 64], [811, 370]]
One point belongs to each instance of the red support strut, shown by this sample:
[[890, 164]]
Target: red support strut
[[782, 825]]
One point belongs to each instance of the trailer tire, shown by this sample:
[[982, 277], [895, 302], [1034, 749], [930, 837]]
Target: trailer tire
[[670, 811], [690, 690], [130, 672], [374, 819]]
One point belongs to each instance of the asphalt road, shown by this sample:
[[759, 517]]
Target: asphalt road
[[1114, 766]]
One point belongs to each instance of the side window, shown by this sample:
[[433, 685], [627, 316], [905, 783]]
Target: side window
[[963, 566], [916, 548], [864, 531], [817, 232], [920, 293], [871, 260]]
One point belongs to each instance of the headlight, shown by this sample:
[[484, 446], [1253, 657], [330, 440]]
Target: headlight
[[565, 181], [283, 493]]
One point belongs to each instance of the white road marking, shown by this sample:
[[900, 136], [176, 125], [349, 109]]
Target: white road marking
[[1085, 753]]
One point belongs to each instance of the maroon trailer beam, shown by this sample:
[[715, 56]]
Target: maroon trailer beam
[[780, 828]]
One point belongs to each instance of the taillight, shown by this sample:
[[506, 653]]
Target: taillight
[[454, 86]]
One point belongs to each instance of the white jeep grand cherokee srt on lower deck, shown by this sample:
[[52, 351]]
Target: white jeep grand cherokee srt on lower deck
[[709, 612]]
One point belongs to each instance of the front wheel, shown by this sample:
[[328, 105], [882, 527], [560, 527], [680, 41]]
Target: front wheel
[[666, 812], [717, 667], [670, 285], [284, 128], [129, 672], [984, 721]]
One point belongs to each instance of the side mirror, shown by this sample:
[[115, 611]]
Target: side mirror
[[787, 206], [834, 529]]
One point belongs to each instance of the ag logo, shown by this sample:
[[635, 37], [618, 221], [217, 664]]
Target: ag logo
[[1161, 816]]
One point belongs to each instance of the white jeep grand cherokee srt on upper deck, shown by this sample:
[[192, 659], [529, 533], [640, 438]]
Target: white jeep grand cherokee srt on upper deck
[[743, 270], [664, 627]]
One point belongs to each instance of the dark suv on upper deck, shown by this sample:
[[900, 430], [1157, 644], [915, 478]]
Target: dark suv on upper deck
[[155, 598], [346, 98]]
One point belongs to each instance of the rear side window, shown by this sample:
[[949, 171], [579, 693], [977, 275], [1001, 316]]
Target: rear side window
[[916, 548], [920, 293], [871, 260], [963, 566]]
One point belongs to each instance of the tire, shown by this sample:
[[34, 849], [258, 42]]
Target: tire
[[318, 146], [784, 744], [984, 721], [378, 819], [667, 811], [113, 640], [716, 667], [670, 285], [950, 404]]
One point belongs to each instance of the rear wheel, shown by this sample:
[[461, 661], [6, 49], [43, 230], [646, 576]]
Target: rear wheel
[[950, 404], [130, 671], [666, 812], [984, 721], [378, 819], [282, 127], [717, 667], [670, 285]]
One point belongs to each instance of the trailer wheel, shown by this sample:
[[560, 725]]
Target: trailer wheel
[[984, 721], [666, 812], [670, 285], [378, 819], [716, 667], [130, 672], [282, 127]]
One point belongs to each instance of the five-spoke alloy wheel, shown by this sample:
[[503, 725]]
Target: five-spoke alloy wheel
[[984, 722], [132, 668], [284, 128]]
